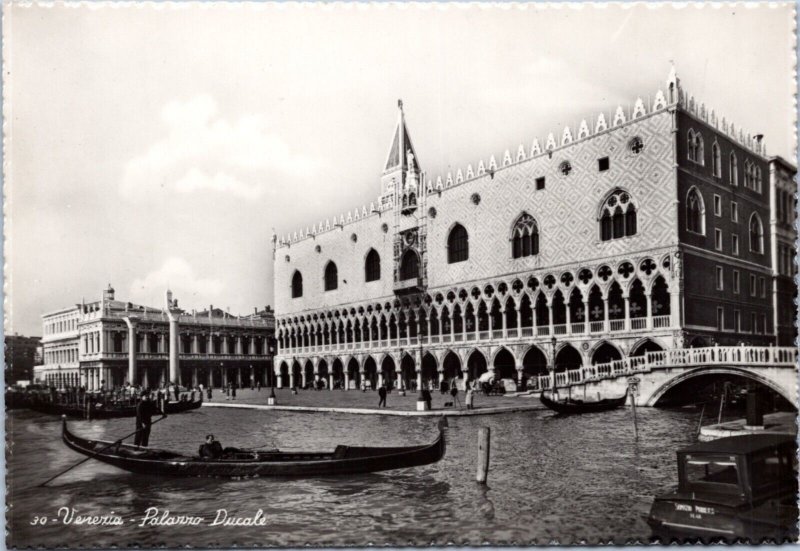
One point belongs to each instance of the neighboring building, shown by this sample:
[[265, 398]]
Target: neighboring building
[[21, 355], [89, 344], [783, 216], [642, 231]]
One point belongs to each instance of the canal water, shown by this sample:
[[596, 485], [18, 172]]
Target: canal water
[[552, 478]]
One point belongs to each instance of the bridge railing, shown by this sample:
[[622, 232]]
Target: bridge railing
[[771, 356]]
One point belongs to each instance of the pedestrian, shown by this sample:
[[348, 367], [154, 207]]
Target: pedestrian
[[233, 392], [258, 386], [469, 398], [382, 396], [208, 392], [174, 389], [144, 418], [228, 392], [454, 392]]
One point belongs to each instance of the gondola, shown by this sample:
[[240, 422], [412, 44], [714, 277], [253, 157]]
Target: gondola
[[239, 463], [571, 405], [110, 411]]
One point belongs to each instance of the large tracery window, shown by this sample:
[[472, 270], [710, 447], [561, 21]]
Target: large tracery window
[[331, 276], [618, 216], [457, 245], [695, 212], [372, 266], [525, 236], [297, 285], [756, 234]]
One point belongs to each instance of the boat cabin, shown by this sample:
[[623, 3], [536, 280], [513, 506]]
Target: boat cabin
[[742, 487]]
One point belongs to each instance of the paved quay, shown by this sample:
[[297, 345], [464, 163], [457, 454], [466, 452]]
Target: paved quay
[[365, 403]]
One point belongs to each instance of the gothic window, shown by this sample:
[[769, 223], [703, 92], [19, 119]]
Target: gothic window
[[372, 266], [733, 168], [756, 234], [525, 237], [695, 147], [757, 179], [695, 212], [457, 245], [716, 160], [331, 276], [618, 216], [409, 266], [297, 285]]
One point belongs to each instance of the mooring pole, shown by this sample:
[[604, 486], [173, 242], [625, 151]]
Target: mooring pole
[[484, 435]]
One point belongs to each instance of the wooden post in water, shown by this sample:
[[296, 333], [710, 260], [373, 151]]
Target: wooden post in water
[[484, 434], [633, 390]]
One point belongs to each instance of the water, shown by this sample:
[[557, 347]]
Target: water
[[570, 479]]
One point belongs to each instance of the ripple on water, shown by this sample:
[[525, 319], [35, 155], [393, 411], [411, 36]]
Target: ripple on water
[[552, 478]]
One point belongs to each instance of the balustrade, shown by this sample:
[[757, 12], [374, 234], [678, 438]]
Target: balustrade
[[577, 328], [661, 321], [596, 326], [496, 334], [617, 325], [638, 323], [560, 329]]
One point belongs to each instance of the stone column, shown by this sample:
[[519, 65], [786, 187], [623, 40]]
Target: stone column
[[568, 317], [441, 376], [210, 377], [520, 374], [586, 317], [330, 381], [649, 302], [550, 314], [606, 325], [505, 323], [162, 345], [174, 340], [627, 300], [195, 345], [238, 344], [239, 377], [346, 378], [224, 376], [419, 378], [130, 321], [380, 378]]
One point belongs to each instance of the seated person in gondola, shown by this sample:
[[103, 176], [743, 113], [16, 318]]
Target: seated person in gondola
[[211, 449]]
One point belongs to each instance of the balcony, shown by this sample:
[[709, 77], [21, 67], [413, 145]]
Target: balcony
[[408, 286]]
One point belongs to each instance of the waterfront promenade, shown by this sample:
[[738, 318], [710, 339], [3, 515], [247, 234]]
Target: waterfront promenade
[[357, 402]]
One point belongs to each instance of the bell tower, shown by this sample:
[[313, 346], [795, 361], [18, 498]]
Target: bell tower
[[400, 181]]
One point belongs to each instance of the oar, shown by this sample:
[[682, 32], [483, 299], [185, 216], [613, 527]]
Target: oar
[[95, 453]]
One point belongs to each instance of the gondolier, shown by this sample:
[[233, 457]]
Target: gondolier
[[144, 418]]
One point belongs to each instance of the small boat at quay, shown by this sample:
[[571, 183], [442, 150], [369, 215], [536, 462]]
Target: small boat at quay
[[572, 405], [109, 410], [240, 463], [731, 489]]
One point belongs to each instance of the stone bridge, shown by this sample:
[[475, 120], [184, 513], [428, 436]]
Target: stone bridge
[[659, 371]]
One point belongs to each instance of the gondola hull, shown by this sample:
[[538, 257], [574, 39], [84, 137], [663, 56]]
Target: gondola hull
[[247, 463], [570, 406], [170, 408]]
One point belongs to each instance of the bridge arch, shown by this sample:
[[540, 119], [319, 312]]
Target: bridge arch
[[721, 370]]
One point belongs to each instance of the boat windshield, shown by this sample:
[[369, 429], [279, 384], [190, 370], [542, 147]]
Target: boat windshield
[[715, 474]]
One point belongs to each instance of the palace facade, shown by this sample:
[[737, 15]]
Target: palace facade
[[658, 227], [106, 343]]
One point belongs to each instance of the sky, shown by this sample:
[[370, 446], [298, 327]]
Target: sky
[[153, 145]]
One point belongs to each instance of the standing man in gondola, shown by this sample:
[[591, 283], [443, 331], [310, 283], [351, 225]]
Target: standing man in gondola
[[144, 418]]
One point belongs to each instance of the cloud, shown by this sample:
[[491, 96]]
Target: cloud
[[179, 276], [202, 151]]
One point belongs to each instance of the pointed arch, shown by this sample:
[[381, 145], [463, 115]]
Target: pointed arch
[[372, 266], [524, 236], [605, 352], [297, 284], [409, 265], [733, 169], [331, 276], [457, 244], [756, 234], [695, 212], [716, 160]]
